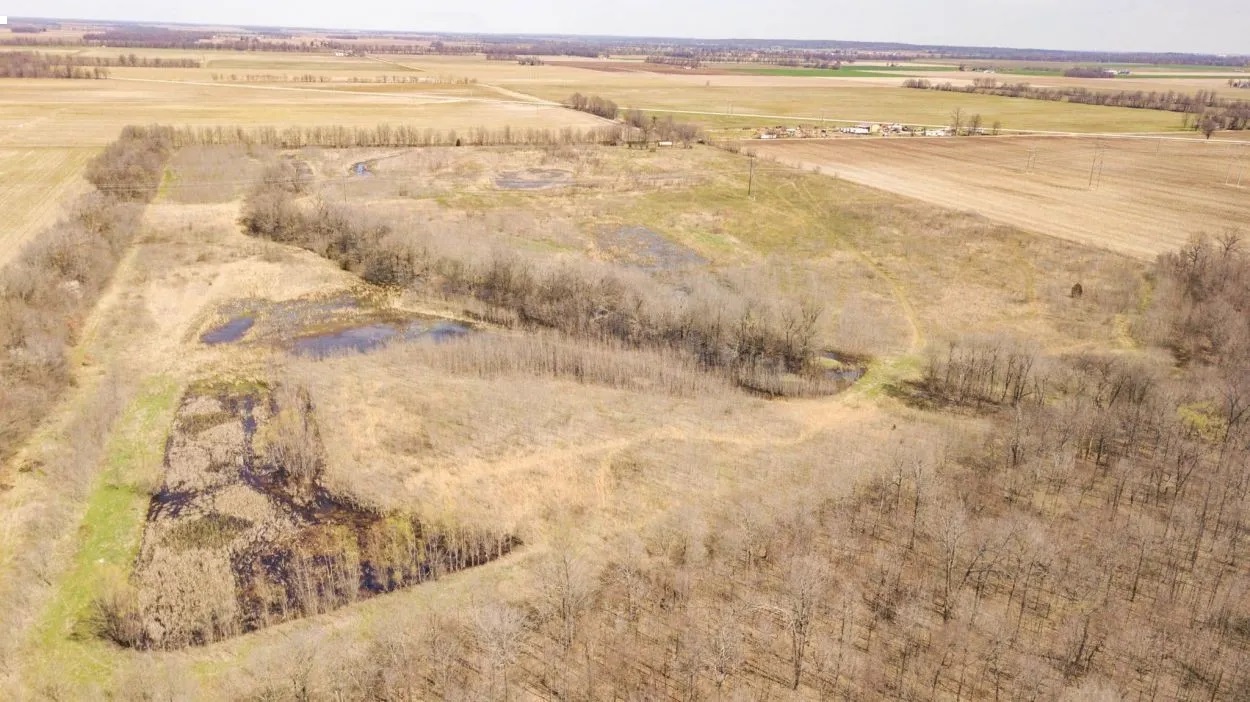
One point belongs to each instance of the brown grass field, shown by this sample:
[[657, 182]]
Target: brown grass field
[[674, 523], [538, 455], [49, 128], [1148, 196]]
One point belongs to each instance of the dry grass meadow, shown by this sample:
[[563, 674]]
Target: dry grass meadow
[[907, 419], [547, 458]]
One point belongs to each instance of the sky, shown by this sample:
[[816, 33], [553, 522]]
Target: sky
[[1213, 26]]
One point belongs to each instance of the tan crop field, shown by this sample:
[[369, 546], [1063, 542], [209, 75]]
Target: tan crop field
[[1146, 196], [35, 184]]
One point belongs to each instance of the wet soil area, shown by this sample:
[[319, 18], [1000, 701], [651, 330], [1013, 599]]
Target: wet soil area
[[243, 534], [645, 248], [533, 179], [844, 369], [328, 326], [365, 338], [229, 332]]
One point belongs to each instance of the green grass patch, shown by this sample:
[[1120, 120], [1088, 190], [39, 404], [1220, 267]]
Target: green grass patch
[[108, 540], [229, 386], [168, 180], [1204, 418], [886, 376]]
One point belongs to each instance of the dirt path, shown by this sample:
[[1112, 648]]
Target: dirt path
[[896, 288]]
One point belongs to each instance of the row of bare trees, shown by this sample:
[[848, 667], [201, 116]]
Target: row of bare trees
[[392, 135], [755, 343], [1088, 72], [35, 64], [46, 293], [1227, 113], [593, 104], [32, 64]]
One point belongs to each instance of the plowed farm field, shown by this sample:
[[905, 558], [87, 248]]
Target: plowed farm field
[[1139, 197]]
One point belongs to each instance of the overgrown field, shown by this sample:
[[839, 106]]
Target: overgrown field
[[577, 395]]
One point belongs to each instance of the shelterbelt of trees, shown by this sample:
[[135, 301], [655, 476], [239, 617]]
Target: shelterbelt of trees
[[47, 292], [1225, 113]]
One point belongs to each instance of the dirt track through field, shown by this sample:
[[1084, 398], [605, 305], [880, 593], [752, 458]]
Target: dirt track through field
[[1140, 198]]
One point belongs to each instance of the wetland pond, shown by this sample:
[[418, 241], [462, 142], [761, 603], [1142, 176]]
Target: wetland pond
[[321, 327], [365, 338]]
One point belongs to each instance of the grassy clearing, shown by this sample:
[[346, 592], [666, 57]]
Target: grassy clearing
[[108, 540]]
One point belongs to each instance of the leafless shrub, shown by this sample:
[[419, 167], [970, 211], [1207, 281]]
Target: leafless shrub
[[290, 441], [115, 616]]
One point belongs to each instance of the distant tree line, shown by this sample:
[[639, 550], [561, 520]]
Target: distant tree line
[[594, 105], [386, 135], [1205, 106], [493, 55], [30, 64], [812, 53], [1085, 72], [406, 79], [34, 64], [683, 61]]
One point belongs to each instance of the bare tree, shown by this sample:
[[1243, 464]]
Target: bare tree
[[799, 605], [1208, 125], [499, 631], [567, 585], [957, 120]]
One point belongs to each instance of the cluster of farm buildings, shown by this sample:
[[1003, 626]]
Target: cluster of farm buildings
[[863, 129]]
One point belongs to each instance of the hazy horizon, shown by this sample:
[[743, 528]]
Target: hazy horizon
[[1219, 27]]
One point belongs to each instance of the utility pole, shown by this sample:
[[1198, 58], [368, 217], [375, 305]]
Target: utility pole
[[751, 177]]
